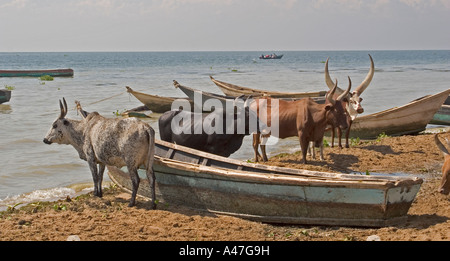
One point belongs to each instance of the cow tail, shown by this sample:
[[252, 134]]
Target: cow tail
[[151, 158]]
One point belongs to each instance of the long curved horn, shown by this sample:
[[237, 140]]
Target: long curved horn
[[440, 145], [345, 94], [360, 89], [331, 93], [328, 79], [63, 108]]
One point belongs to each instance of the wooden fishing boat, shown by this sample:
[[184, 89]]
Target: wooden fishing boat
[[155, 103], [5, 95], [193, 93], [271, 56], [235, 91], [442, 116], [37, 73], [273, 194], [411, 118]]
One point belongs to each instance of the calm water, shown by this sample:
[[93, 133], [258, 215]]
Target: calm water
[[32, 170]]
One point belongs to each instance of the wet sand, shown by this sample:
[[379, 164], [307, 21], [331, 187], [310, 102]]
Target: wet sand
[[109, 219]]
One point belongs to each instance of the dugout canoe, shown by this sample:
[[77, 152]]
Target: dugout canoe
[[410, 118], [37, 73], [5, 95], [155, 103], [195, 94], [235, 91], [273, 194]]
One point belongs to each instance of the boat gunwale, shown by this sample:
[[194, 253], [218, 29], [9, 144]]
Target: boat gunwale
[[289, 171], [423, 99], [273, 94], [284, 179]]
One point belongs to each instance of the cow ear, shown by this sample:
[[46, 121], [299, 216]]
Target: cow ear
[[328, 107]]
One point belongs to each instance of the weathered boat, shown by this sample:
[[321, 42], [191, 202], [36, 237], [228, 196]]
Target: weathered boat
[[193, 93], [235, 91], [5, 95], [37, 73], [442, 116], [410, 118], [155, 103], [273, 194]]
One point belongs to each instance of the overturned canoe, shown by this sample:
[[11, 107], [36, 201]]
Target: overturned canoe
[[235, 91], [273, 194], [410, 118], [37, 73]]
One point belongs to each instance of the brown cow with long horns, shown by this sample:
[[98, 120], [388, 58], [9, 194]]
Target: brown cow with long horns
[[303, 118]]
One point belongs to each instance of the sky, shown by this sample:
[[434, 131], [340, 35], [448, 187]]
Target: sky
[[223, 25]]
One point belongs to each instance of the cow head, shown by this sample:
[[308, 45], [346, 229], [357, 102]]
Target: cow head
[[336, 113], [58, 133], [445, 182], [353, 99]]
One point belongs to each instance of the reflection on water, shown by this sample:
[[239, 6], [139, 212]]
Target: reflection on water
[[5, 109]]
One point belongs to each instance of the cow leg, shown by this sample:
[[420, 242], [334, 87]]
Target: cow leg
[[339, 132], [256, 142], [263, 151], [304, 147], [332, 137], [321, 150], [101, 170], [135, 184], [311, 150], [347, 133], [151, 180], [94, 172]]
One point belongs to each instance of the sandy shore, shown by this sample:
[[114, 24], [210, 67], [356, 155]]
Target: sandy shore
[[108, 218]]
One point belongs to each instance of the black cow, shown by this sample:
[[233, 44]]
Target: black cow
[[220, 132]]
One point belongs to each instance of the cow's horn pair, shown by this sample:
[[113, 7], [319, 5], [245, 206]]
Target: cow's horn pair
[[63, 108], [360, 89]]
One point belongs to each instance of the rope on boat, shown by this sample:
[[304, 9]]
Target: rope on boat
[[102, 100]]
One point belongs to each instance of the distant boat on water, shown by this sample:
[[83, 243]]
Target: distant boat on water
[[271, 56], [37, 73]]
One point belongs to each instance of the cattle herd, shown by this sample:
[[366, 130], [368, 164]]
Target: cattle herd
[[130, 142]]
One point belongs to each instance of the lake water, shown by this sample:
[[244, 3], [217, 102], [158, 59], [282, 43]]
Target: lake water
[[31, 170]]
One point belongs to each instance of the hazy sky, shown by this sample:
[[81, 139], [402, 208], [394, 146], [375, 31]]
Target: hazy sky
[[223, 25]]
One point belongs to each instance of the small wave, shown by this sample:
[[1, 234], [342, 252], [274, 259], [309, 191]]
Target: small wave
[[53, 194], [36, 196]]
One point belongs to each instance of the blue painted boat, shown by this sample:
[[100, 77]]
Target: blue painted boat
[[37, 73], [273, 194]]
